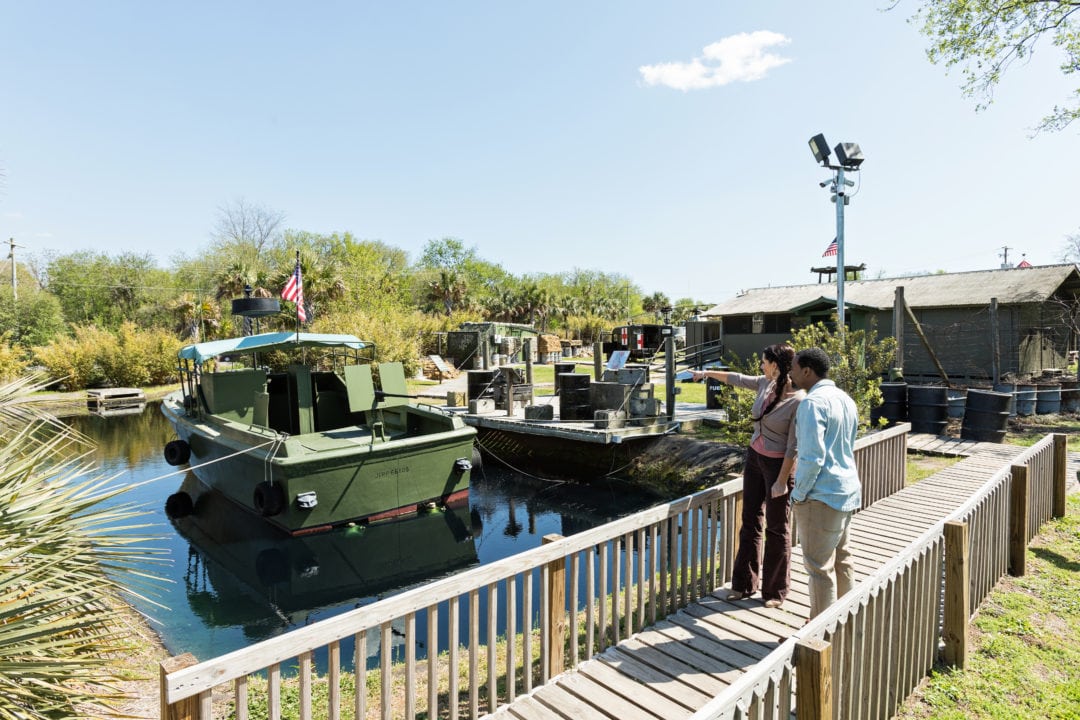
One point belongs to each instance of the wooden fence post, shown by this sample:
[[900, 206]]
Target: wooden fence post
[[556, 619], [1060, 474], [813, 674], [957, 594], [186, 709], [598, 361], [1018, 521]]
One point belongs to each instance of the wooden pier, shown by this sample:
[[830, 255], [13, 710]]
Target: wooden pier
[[109, 402], [631, 621]]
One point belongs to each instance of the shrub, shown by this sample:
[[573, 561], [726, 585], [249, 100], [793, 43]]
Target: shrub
[[13, 360], [74, 361]]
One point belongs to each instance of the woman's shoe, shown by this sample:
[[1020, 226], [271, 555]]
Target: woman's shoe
[[774, 603], [734, 595]]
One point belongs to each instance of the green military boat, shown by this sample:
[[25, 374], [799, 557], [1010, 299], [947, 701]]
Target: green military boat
[[314, 444]]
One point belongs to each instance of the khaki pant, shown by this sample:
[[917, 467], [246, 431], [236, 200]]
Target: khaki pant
[[823, 534]]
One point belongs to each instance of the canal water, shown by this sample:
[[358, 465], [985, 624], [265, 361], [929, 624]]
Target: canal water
[[227, 582]]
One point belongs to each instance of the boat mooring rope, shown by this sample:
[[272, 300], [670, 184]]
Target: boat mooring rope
[[277, 440]]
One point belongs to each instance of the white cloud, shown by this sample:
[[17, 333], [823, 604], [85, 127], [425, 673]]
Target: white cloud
[[744, 57]]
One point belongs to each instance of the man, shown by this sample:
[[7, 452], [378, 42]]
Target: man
[[827, 488]]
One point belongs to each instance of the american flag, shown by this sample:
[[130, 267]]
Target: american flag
[[829, 251], [294, 292]]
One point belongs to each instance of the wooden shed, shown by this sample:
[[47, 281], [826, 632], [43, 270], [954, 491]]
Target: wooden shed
[[1010, 321]]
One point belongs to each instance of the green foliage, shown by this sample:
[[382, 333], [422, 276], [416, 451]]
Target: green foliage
[[985, 38], [859, 361], [95, 288], [73, 361], [739, 401], [94, 357], [34, 319], [67, 551], [396, 333], [13, 360]]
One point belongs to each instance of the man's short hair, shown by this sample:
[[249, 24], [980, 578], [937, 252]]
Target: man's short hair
[[815, 359]]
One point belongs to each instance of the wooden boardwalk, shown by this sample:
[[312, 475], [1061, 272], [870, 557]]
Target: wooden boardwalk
[[672, 668]]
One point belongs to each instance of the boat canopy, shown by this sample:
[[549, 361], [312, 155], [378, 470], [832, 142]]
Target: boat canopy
[[201, 352]]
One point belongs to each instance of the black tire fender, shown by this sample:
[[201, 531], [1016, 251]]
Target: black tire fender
[[268, 499], [177, 452], [179, 505]]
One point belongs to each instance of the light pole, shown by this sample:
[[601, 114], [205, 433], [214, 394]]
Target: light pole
[[849, 157]]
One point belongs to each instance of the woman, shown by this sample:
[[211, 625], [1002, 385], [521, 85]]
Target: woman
[[767, 478]]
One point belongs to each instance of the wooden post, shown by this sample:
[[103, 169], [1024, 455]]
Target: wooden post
[[813, 673], [898, 327], [1018, 521], [556, 619], [995, 343], [598, 361], [527, 351], [1060, 474], [188, 708], [957, 594]]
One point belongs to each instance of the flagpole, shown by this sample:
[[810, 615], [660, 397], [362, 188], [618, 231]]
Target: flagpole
[[840, 271], [299, 299]]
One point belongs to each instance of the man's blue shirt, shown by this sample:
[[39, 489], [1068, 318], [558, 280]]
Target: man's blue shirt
[[826, 424]]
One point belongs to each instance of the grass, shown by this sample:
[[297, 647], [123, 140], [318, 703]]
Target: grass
[[1024, 661], [1029, 430]]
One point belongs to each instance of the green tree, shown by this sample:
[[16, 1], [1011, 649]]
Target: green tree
[[69, 547], [655, 304], [859, 360], [34, 319], [986, 37], [102, 289]]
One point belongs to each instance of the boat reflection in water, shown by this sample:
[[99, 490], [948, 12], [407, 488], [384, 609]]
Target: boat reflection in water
[[239, 567]]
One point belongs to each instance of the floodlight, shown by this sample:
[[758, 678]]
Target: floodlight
[[820, 148], [849, 154]]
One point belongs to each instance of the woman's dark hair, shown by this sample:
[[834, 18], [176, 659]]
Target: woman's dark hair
[[783, 355]]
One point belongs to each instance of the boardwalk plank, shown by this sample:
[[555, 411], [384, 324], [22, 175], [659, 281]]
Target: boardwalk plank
[[568, 705], [644, 673], [599, 696], [639, 693]]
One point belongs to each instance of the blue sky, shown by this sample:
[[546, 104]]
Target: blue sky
[[663, 141]]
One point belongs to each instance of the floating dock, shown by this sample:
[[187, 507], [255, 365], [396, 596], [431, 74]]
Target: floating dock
[[110, 402]]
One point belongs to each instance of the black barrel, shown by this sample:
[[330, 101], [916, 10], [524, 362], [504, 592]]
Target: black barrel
[[894, 407], [986, 416], [574, 397], [713, 390], [479, 384], [928, 408], [561, 368]]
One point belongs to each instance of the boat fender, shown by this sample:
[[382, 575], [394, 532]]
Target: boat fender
[[268, 499], [178, 505], [177, 452], [462, 465], [477, 459]]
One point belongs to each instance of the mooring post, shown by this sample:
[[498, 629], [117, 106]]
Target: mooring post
[[186, 709], [598, 361], [1018, 521], [813, 674], [1060, 474], [556, 619], [954, 629]]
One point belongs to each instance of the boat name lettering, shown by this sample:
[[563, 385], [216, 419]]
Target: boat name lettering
[[393, 471]]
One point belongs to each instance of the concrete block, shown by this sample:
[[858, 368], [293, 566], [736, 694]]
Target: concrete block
[[609, 419], [455, 398], [539, 412], [644, 407], [482, 405]]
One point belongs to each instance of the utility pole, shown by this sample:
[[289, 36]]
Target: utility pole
[[1004, 255], [14, 279]]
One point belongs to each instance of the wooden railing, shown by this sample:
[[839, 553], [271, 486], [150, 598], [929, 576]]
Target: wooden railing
[[622, 577], [864, 655], [881, 459]]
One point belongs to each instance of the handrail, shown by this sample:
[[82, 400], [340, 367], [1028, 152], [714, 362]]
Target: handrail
[[205, 675], [737, 698]]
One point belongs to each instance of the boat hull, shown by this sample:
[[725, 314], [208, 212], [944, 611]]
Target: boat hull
[[307, 483]]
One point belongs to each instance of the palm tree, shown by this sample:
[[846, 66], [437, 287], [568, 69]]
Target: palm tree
[[66, 553]]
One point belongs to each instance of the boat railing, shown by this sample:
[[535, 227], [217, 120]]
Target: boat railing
[[498, 630]]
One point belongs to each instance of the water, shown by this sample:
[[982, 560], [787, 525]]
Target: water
[[229, 583]]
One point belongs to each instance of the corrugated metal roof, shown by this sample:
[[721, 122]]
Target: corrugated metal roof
[[1011, 286]]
